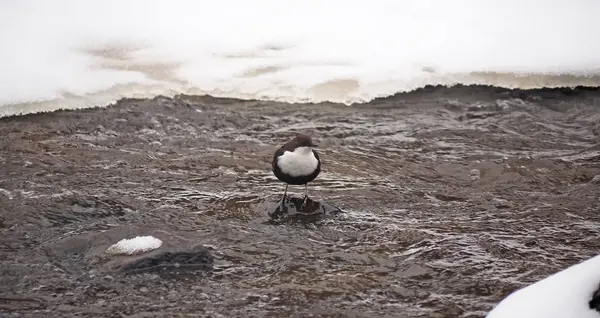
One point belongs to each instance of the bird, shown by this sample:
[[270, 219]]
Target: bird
[[297, 163]]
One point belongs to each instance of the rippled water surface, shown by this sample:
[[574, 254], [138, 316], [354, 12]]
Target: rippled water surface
[[451, 199]]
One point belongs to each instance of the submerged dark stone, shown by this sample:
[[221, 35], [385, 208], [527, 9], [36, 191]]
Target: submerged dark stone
[[179, 259], [294, 209], [83, 252]]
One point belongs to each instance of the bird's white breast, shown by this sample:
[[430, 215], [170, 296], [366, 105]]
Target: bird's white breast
[[300, 162]]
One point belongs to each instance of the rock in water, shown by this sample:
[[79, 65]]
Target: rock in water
[[291, 210], [195, 258], [174, 253]]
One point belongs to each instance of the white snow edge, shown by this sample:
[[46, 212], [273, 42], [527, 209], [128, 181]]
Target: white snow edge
[[565, 294], [138, 244]]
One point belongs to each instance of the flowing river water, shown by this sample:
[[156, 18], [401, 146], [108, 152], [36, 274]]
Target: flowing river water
[[451, 199]]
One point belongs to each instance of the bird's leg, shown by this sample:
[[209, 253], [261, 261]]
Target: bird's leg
[[305, 195], [284, 193]]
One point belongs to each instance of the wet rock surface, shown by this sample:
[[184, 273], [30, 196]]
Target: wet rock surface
[[79, 252], [449, 198], [297, 209]]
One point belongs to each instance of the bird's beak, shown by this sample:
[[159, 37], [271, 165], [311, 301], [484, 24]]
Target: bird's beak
[[315, 145]]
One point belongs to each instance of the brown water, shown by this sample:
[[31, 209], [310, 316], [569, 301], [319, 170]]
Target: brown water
[[451, 198]]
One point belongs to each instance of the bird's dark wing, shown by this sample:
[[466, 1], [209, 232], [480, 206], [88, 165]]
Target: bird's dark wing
[[317, 156]]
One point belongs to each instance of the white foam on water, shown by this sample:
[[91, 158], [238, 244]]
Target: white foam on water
[[72, 53], [563, 295], [138, 244]]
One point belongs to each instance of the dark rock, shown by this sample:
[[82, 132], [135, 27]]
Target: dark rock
[[448, 197], [595, 301], [19, 303], [195, 258], [293, 210], [78, 253]]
